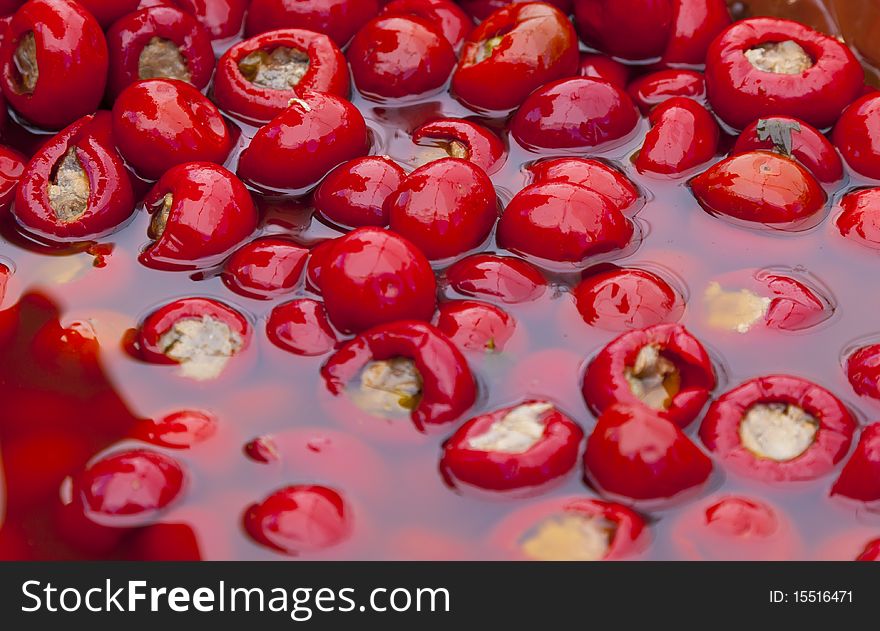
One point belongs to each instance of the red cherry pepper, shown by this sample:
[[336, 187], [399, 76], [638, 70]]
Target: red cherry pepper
[[760, 187], [515, 50], [631, 29], [620, 299], [466, 140], [736, 529], [164, 542], [317, 261], [695, 23], [577, 113], [317, 132], [860, 477], [655, 88], [453, 22], [535, 531], [53, 62], [108, 11], [812, 79], [683, 136], [445, 207], [76, 187], [256, 83], [179, 430], [663, 369], [150, 344], [340, 19], [636, 454], [856, 133], [606, 180], [354, 193], [562, 222], [372, 276], [860, 219], [396, 57], [134, 483], [724, 428], [522, 446], [796, 139], [863, 371], [265, 268], [448, 388], [482, 9], [871, 552], [222, 18], [603, 67], [476, 326], [201, 212], [12, 165], [158, 43], [300, 520], [161, 123], [301, 327], [508, 279]]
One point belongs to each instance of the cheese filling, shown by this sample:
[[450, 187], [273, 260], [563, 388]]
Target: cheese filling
[[69, 188], [516, 432], [653, 378], [202, 346], [281, 68], [570, 537], [786, 57], [777, 431], [162, 59]]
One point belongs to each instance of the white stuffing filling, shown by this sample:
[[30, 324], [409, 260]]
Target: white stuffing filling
[[25, 59], [653, 378], [786, 57], [281, 69], [389, 387], [570, 537], [516, 432], [777, 431], [736, 310], [162, 59], [201, 346], [69, 189]]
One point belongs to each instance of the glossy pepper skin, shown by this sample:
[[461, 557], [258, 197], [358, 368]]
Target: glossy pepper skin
[[562, 222], [538, 45], [860, 217], [504, 278], [578, 113], [683, 136], [445, 207], [552, 456], [863, 371], [871, 551], [12, 165], [340, 19], [605, 383], [604, 67], [301, 327], [129, 36], [354, 193], [212, 212], [476, 326], [70, 51], [622, 299], [221, 18], [760, 187], [160, 321], [856, 133], [317, 133], [741, 93], [630, 532], [300, 519], [265, 268], [482, 9], [237, 95], [676, 31], [108, 11], [160, 123], [860, 477], [453, 22], [373, 276], [482, 147], [719, 430], [795, 139], [653, 89], [110, 199], [134, 483], [600, 177], [448, 387], [399, 57], [634, 453]]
